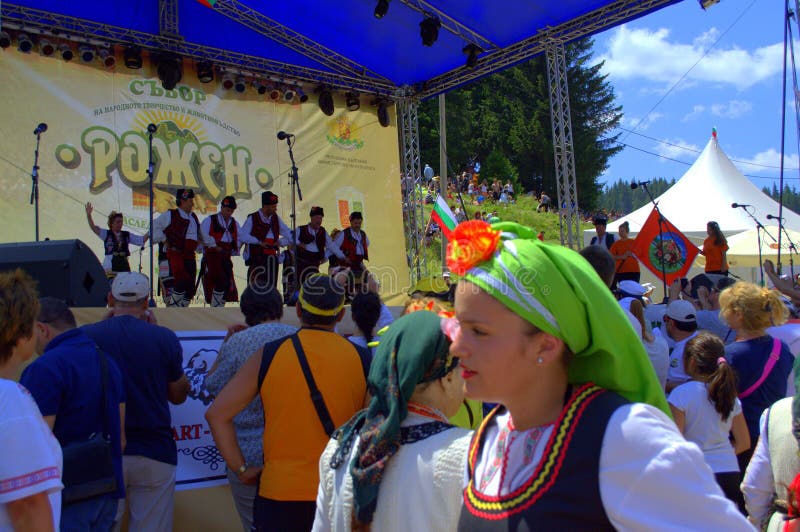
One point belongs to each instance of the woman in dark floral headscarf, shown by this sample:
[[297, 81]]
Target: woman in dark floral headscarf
[[399, 464]]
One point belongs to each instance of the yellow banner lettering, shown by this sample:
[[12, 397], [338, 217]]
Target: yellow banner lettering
[[102, 146]]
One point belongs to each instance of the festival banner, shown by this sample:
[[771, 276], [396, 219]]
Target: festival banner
[[217, 142], [200, 465], [665, 247]]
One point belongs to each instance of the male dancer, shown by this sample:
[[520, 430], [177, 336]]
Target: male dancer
[[353, 242], [314, 245], [224, 230], [179, 231], [264, 232]]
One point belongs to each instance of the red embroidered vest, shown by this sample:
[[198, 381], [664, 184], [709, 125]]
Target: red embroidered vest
[[176, 232], [217, 231], [306, 238], [350, 245], [260, 230]]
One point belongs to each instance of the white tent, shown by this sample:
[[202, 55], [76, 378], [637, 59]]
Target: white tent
[[706, 192]]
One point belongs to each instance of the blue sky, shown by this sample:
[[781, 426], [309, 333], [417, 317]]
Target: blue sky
[[736, 88]]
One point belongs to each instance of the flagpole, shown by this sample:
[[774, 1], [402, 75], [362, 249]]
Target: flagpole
[[660, 239]]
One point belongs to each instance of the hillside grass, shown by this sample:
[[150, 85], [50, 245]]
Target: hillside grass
[[522, 212]]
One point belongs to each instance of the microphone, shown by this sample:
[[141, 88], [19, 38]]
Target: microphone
[[282, 135], [151, 128], [736, 205], [770, 217], [635, 185], [41, 128]]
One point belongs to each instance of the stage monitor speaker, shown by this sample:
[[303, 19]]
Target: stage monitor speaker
[[66, 269]]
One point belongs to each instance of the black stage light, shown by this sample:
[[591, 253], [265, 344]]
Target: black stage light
[[472, 51], [326, 101], [274, 94], [429, 30], [133, 57], [5, 39], [87, 53], [66, 51], [301, 95], [260, 86], [240, 85], [205, 72], [351, 101], [227, 81], [170, 71], [24, 43], [288, 94], [383, 113], [381, 8]]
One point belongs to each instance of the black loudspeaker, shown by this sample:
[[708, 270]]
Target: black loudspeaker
[[66, 269]]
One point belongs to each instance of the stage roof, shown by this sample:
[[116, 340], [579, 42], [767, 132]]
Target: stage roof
[[335, 42]]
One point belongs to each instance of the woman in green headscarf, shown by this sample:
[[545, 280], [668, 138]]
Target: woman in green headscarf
[[399, 464], [582, 438]]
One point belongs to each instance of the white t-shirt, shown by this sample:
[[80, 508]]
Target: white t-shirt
[[658, 351], [651, 478], [676, 371], [705, 426], [30, 456]]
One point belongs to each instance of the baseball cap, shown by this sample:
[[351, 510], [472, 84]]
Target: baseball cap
[[682, 311], [631, 288], [130, 286]]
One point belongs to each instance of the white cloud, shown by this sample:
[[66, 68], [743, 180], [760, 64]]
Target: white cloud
[[650, 55], [677, 149], [732, 109], [639, 124], [768, 162], [697, 110]]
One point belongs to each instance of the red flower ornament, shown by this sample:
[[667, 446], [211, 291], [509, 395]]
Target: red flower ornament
[[471, 243]]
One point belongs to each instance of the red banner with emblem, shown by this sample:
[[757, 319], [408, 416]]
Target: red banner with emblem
[[666, 250]]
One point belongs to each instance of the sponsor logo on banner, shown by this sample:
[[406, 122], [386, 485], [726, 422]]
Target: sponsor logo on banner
[[342, 135]]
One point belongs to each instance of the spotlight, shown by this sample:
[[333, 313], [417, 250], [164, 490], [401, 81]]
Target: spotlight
[[351, 101], [24, 43], [260, 86], [108, 58], [66, 51], [274, 94], [472, 51], [705, 4], [133, 57], [288, 94], [381, 8], [205, 72], [240, 85], [87, 53], [227, 81], [170, 71], [5, 39], [46, 48], [429, 30], [383, 113], [301, 95], [325, 101]]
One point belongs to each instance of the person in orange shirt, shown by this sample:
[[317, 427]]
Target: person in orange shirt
[[715, 249], [627, 265]]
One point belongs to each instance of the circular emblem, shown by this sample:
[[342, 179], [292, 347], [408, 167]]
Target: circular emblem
[[671, 252]]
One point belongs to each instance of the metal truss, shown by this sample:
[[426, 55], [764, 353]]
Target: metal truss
[[561, 122], [588, 24], [260, 23], [168, 19], [413, 212], [450, 24], [73, 28]]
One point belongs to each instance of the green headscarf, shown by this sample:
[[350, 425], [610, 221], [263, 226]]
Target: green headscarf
[[413, 350], [558, 291]]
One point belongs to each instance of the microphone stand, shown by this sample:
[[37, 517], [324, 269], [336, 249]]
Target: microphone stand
[[660, 237], [150, 171], [35, 184], [759, 228], [296, 194], [792, 248]]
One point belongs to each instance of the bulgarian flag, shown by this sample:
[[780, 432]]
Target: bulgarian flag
[[444, 217], [675, 251], [208, 3]]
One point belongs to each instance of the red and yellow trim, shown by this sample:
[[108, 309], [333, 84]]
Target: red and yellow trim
[[546, 473]]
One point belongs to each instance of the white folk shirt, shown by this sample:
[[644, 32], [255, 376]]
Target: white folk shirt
[[311, 247], [357, 236], [651, 478], [246, 237], [136, 240], [205, 229]]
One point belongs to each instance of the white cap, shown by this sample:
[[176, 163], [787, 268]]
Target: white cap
[[130, 286]]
